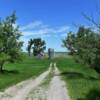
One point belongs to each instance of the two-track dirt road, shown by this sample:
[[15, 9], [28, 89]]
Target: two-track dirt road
[[56, 88]]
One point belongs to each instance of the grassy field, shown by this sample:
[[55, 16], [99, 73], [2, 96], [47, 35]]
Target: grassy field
[[29, 67], [83, 82]]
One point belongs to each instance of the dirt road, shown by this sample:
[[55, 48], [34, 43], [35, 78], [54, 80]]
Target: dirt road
[[32, 90], [57, 89]]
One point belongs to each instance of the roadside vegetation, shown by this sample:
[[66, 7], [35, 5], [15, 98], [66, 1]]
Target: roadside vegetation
[[83, 83], [85, 47], [81, 69]]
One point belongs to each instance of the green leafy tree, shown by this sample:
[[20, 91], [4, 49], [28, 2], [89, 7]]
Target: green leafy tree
[[38, 46], [10, 45], [86, 46]]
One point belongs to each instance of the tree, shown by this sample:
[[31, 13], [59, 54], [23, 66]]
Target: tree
[[38, 46], [93, 21], [86, 44], [69, 42], [30, 43], [96, 40], [10, 45]]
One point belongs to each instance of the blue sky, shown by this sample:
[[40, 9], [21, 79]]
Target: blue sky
[[48, 19]]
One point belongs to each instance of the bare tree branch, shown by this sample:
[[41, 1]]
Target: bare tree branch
[[91, 19], [97, 9]]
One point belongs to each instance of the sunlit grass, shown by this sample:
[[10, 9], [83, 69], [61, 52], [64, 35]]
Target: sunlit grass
[[29, 67], [80, 79]]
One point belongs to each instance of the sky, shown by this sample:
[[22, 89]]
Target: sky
[[50, 20]]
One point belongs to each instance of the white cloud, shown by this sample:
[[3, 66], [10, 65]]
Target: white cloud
[[63, 29], [46, 35], [63, 35], [38, 28], [33, 25]]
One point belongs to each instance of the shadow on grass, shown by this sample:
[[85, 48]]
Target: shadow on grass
[[77, 75], [92, 95], [9, 72]]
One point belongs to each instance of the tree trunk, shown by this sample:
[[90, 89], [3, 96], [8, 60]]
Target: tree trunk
[[29, 53]]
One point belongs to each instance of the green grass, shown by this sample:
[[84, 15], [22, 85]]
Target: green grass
[[17, 72], [83, 82]]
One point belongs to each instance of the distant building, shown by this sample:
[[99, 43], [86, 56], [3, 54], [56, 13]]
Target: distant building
[[50, 53]]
